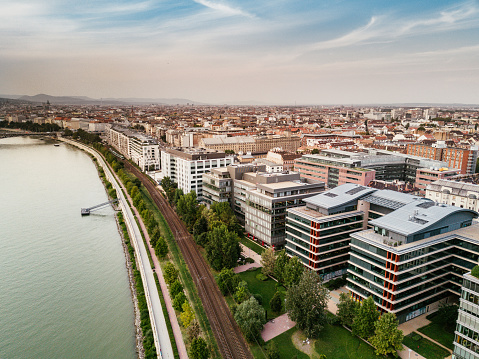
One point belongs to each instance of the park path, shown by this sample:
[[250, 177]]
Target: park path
[[180, 344], [248, 252]]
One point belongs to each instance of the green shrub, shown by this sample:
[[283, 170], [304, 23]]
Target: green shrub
[[261, 277], [475, 271]]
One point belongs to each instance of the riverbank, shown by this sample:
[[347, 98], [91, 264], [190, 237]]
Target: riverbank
[[129, 260]]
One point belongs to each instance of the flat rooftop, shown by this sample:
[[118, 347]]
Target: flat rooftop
[[339, 195]]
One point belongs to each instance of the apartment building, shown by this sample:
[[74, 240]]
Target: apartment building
[[319, 232], [142, 150], [186, 166], [466, 340], [217, 186], [251, 143], [460, 158], [460, 194], [413, 257]]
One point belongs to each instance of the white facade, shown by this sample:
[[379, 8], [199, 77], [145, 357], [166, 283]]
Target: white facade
[[142, 150], [188, 173], [459, 194]]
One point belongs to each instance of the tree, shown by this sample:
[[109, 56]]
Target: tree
[[170, 273], [180, 298], [272, 351], [242, 293], [347, 309], [250, 317], [363, 324], [447, 315], [200, 226], [161, 247], [306, 304], [227, 281], [175, 288], [187, 316], [267, 261], [315, 151], [222, 249], [292, 271], [276, 303], [280, 262], [387, 337], [199, 349]]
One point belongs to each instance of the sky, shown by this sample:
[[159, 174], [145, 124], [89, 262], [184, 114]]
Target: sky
[[233, 51]]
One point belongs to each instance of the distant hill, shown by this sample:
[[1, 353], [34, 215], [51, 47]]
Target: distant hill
[[84, 100], [12, 100]]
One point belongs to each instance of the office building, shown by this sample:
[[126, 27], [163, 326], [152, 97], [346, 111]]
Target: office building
[[319, 232], [337, 167], [466, 338], [413, 257]]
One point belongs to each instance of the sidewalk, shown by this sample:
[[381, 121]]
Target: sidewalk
[[245, 267], [248, 252], [180, 344], [277, 326]]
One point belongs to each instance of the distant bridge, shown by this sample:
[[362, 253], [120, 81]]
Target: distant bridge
[[6, 134], [86, 211]]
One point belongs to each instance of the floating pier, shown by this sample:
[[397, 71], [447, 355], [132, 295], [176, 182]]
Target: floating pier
[[86, 211]]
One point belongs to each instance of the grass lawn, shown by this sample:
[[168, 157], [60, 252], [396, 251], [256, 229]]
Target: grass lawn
[[424, 347], [266, 288], [439, 334], [254, 246], [285, 345], [338, 343]]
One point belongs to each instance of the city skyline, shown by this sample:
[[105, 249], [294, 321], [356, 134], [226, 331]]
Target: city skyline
[[280, 52]]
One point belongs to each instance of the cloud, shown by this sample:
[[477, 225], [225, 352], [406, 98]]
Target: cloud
[[223, 8]]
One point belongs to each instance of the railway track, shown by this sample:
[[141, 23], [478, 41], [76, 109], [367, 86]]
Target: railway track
[[225, 329]]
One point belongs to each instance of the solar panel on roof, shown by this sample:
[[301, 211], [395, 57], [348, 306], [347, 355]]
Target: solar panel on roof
[[355, 190], [329, 194], [426, 204]]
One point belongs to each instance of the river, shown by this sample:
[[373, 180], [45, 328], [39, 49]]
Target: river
[[64, 289]]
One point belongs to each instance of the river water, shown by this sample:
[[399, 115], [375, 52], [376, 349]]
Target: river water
[[64, 289]]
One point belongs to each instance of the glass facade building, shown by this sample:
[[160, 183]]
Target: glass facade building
[[466, 338]]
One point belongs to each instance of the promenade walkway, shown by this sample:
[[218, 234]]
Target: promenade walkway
[[157, 319]]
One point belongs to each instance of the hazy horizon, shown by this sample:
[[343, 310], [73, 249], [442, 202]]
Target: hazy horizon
[[281, 52]]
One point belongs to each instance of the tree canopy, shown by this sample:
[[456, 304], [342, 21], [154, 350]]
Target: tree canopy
[[250, 317], [306, 304], [347, 309], [367, 315], [387, 338], [222, 249], [267, 261], [292, 272]]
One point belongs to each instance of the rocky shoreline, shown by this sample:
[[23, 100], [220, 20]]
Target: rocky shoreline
[[131, 281]]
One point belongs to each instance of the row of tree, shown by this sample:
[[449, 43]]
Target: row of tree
[[215, 229], [279, 265], [84, 136], [365, 321], [31, 126]]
